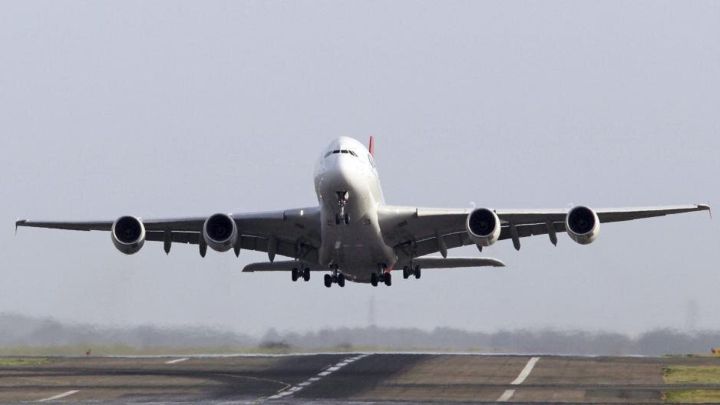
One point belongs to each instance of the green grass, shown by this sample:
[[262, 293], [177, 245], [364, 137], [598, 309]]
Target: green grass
[[692, 374], [693, 396], [25, 361]]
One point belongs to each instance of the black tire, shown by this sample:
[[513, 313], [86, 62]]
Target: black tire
[[306, 274], [406, 272], [387, 279], [347, 219], [341, 280], [374, 279], [337, 219], [417, 272], [295, 274], [328, 280]]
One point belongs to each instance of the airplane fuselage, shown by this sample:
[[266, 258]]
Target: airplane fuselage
[[349, 194]]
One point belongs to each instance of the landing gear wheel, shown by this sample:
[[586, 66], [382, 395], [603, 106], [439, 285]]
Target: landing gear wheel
[[417, 272], [342, 219], [341, 280], [328, 280], [306, 274], [387, 278], [374, 279], [295, 274], [406, 272]]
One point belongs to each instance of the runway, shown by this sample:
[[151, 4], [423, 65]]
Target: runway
[[343, 377]]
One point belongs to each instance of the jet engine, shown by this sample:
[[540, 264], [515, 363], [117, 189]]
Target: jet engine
[[483, 226], [128, 234], [582, 224], [220, 232]]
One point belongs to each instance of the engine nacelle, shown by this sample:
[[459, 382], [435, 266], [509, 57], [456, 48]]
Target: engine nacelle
[[220, 232], [483, 226], [582, 224], [128, 234]]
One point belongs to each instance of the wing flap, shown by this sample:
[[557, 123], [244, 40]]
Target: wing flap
[[456, 262], [284, 265], [70, 226]]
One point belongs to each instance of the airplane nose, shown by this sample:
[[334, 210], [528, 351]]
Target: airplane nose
[[344, 174]]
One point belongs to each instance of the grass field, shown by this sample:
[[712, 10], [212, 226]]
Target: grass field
[[692, 375], [25, 361]]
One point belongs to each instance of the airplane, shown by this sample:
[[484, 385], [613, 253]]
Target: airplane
[[352, 234]]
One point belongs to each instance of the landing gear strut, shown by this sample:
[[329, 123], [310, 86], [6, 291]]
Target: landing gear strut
[[342, 216]]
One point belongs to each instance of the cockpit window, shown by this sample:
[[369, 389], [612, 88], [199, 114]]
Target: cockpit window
[[341, 151]]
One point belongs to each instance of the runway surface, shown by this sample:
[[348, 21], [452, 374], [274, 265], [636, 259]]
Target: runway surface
[[345, 377]]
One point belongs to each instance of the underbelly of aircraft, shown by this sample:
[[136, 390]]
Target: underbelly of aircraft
[[357, 249]]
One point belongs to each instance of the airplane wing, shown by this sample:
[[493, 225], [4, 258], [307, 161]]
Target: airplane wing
[[415, 232], [293, 233]]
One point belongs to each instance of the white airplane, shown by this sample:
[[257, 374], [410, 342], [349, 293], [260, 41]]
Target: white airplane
[[352, 234]]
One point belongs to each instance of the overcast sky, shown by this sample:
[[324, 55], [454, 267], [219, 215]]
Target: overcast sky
[[172, 108]]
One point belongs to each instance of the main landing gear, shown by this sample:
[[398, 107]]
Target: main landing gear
[[336, 277], [411, 271], [381, 277], [300, 273], [342, 216]]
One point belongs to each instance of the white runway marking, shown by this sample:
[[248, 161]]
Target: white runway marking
[[525, 371], [506, 395], [177, 360], [326, 372], [520, 379], [59, 396]]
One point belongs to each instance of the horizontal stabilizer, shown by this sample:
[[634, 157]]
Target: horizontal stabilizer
[[456, 262], [281, 266]]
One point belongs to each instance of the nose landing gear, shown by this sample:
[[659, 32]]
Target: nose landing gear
[[342, 216]]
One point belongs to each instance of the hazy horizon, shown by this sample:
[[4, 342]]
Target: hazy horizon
[[180, 108]]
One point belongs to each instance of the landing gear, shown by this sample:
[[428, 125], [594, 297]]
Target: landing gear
[[336, 277], [410, 271], [297, 273], [381, 277], [342, 216]]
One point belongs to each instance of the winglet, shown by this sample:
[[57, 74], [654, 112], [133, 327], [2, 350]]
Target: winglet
[[371, 146], [18, 223], [706, 207]]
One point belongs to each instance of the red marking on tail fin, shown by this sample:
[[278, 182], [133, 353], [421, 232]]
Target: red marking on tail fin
[[371, 145]]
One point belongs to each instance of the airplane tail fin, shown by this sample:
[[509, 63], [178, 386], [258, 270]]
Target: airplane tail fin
[[371, 145]]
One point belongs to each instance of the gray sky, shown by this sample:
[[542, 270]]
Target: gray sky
[[179, 108]]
